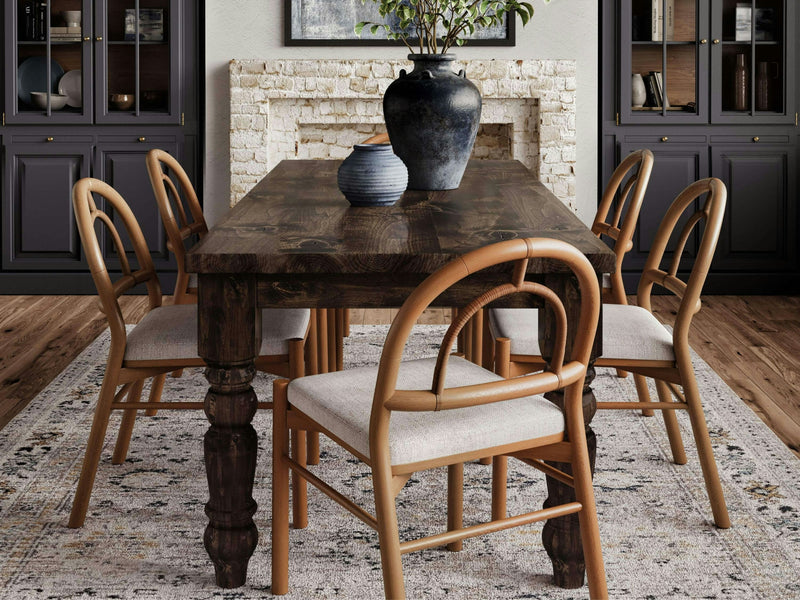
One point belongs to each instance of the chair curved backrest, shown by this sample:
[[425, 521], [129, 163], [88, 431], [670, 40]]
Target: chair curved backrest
[[87, 214], [159, 166], [711, 213], [563, 373], [609, 224]]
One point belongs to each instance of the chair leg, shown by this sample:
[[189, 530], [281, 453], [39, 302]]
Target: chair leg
[[705, 452], [299, 485], [346, 322], [455, 503], [621, 373], [332, 341], [671, 423], [499, 487], [340, 338], [322, 340], [584, 493], [94, 448], [280, 490], [644, 395], [126, 426], [156, 387], [388, 535]]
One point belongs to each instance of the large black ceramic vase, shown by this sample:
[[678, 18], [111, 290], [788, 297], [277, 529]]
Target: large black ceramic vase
[[432, 117]]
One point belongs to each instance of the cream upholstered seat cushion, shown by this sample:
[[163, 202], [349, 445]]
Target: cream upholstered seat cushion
[[629, 332], [170, 332], [342, 401]]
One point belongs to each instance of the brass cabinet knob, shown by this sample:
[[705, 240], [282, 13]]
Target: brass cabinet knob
[[99, 38], [755, 139], [664, 139], [704, 41], [87, 38], [715, 42], [142, 139], [50, 138]]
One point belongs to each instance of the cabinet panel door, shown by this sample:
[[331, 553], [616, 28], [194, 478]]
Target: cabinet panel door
[[39, 229], [674, 168], [122, 165], [759, 231]]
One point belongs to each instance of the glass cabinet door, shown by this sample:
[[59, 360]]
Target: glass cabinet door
[[48, 53], [663, 61], [137, 66], [753, 61]]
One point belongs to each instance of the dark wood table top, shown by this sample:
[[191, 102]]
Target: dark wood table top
[[297, 222]]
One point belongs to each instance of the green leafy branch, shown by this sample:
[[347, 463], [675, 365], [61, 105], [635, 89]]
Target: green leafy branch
[[438, 25]]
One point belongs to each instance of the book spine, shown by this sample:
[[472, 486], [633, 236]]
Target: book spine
[[26, 22], [649, 86], [656, 20], [41, 21], [654, 76], [669, 20]]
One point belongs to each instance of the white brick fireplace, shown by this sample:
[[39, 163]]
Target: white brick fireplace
[[319, 108]]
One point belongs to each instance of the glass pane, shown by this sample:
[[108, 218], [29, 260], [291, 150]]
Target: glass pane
[[66, 55], [681, 80], [121, 77], [664, 29]]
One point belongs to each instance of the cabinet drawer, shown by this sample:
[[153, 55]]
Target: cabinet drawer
[[647, 141], [142, 137], [750, 139], [50, 137]]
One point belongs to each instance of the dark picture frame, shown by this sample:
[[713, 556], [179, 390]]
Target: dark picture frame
[[333, 32]]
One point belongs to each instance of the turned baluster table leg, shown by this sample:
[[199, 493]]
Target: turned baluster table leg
[[562, 536], [229, 337]]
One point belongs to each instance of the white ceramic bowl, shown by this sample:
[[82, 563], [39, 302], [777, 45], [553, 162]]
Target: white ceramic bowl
[[57, 101], [71, 17]]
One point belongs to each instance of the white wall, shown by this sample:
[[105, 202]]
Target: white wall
[[254, 29]]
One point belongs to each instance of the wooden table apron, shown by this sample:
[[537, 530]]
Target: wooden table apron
[[294, 241]]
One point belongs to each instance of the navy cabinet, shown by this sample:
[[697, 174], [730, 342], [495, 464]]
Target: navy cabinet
[[728, 108], [121, 81]]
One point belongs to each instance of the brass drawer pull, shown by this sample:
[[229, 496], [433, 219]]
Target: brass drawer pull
[[704, 41], [50, 138], [755, 139], [142, 139], [664, 139], [716, 42]]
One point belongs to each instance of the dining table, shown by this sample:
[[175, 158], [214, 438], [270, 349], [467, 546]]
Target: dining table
[[294, 241]]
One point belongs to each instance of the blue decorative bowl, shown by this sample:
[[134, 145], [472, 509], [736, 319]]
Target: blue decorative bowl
[[372, 176]]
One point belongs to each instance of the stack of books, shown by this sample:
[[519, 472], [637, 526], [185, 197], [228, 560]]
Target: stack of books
[[65, 34], [654, 87]]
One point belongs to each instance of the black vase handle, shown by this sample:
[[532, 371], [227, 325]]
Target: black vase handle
[[426, 74], [462, 73]]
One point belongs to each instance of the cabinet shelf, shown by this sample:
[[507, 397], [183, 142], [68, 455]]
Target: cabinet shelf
[[659, 44], [133, 43], [52, 43]]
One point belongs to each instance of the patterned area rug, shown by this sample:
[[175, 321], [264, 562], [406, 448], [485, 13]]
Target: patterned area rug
[[143, 534]]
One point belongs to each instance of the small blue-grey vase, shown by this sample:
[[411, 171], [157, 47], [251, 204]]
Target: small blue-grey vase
[[373, 175]]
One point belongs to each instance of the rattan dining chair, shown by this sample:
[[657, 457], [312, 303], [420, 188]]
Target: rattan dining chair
[[406, 416], [183, 221], [164, 340], [616, 219], [634, 339]]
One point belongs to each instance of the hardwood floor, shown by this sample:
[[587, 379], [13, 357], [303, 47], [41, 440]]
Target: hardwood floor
[[751, 341]]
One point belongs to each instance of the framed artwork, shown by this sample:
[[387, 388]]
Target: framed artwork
[[331, 23]]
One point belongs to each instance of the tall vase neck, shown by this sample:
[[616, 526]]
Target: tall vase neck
[[432, 62]]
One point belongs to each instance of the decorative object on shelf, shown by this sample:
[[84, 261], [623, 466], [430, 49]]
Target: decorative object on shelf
[[326, 22], [154, 100], [39, 100], [32, 77], [741, 84], [120, 101], [72, 18], [432, 113], [71, 85], [765, 24], [373, 175], [638, 93], [151, 24], [768, 74]]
